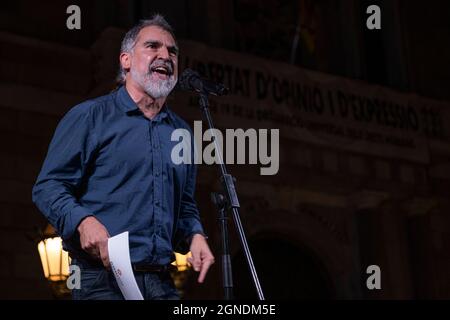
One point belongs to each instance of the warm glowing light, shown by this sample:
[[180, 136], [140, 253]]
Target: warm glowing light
[[55, 261], [181, 261]]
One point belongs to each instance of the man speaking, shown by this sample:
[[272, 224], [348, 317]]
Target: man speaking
[[109, 170]]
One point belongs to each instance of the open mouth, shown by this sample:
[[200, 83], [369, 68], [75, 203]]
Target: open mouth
[[162, 70]]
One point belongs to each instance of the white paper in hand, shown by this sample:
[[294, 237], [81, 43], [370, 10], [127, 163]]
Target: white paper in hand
[[119, 257]]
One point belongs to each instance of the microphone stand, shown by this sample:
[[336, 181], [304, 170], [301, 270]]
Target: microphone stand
[[223, 204]]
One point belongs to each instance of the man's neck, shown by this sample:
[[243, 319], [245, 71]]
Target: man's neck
[[149, 106]]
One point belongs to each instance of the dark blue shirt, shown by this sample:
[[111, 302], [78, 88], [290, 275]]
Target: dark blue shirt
[[109, 161]]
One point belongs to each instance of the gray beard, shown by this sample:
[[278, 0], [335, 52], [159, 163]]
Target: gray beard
[[155, 89]]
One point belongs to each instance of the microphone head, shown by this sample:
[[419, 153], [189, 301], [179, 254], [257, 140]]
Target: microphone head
[[191, 80], [184, 81]]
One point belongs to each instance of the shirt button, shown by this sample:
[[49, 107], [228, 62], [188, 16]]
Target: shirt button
[[156, 203], [156, 174]]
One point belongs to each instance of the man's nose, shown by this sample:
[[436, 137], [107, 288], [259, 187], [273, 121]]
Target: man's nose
[[163, 53]]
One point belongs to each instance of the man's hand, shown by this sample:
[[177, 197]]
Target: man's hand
[[202, 257], [94, 239]]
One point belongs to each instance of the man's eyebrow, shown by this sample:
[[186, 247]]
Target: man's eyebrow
[[155, 42], [173, 48]]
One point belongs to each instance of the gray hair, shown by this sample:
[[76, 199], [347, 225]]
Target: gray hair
[[129, 40]]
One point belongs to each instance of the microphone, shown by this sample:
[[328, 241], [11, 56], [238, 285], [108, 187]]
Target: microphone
[[190, 80]]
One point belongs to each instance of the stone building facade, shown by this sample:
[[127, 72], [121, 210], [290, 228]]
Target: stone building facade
[[314, 227]]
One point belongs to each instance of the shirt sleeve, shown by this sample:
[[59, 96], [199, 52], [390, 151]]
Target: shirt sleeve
[[58, 183], [189, 220]]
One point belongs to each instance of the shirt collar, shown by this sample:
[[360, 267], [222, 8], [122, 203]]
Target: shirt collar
[[125, 102], [129, 106]]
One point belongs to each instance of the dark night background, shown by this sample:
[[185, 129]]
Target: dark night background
[[328, 214]]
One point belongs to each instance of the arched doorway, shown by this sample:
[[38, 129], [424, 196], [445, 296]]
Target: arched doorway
[[286, 271]]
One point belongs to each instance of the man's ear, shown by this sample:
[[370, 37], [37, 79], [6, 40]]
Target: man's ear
[[125, 60]]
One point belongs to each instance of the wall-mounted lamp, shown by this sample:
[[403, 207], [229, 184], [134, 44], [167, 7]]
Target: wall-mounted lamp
[[55, 262], [181, 261], [183, 269]]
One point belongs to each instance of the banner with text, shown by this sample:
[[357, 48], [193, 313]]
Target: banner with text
[[313, 107]]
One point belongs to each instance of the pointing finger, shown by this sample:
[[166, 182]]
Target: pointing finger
[[205, 266]]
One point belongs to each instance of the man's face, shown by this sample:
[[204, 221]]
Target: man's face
[[153, 62]]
